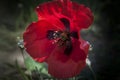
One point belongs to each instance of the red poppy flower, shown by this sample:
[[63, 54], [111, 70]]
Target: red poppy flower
[[55, 38]]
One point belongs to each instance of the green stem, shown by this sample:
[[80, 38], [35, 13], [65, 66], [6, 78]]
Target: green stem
[[93, 73]]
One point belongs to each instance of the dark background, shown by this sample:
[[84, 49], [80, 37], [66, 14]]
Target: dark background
[[103, 34]]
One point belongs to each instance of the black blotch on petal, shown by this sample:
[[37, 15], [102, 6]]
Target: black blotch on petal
[[74, 35], [68, 48], [50, 34], [66, 23]]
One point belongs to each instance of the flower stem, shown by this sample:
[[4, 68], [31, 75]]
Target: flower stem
[[93, 73]]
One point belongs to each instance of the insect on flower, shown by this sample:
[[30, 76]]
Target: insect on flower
[[55, 37]]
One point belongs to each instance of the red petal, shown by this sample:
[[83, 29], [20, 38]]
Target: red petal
[[58, 54], [79, 15], [62, 66], [58, 8], [40, 49], [35, 40], [67, 69], [84, 45], [77, 53], [83, 16]]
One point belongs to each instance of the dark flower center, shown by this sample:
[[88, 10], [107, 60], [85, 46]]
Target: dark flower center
[[63, 37]]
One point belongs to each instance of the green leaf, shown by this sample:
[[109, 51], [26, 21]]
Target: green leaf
[[32, 65]]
